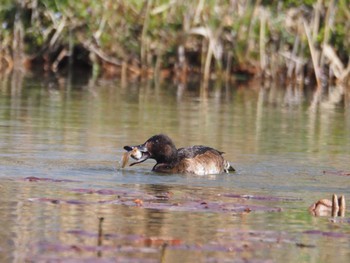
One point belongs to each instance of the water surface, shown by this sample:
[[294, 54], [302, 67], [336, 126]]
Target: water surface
[[61, 145]]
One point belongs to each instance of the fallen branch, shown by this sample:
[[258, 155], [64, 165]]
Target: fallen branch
[[94, 49]]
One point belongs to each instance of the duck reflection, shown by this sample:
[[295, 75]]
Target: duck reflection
[[155, 217]]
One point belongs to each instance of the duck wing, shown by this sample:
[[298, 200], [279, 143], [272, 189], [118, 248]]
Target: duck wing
[[196, 150], [201, 160]]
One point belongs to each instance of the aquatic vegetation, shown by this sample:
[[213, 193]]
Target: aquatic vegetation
[[340, 173], [152, 202], [302, 41], [263, 198], [325, 207], [41, 179]]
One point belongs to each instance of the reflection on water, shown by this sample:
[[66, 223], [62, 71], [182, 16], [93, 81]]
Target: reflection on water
[[280, 140]]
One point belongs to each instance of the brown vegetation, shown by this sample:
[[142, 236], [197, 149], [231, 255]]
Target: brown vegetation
[[288, 41]]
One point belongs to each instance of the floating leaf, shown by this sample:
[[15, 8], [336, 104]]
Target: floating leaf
[[339, 220], [302, 245], [328, 234], [57, 201], [138, 202], [38, 179], [48, 200], [159, 241], [340, 173], [264, 198]]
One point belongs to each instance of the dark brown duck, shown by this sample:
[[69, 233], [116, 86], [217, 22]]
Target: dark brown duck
[[198, 159]]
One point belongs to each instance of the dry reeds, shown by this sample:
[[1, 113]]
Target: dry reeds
[[158, 38]]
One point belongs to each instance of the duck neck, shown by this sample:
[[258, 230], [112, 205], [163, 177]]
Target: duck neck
[[169, 156]]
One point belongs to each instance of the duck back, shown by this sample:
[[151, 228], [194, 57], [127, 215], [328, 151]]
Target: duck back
[[201, 160]]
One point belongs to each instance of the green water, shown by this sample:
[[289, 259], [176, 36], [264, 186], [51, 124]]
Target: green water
[[72, 136]]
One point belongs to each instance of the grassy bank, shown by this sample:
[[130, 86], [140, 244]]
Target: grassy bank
[[292, 40]]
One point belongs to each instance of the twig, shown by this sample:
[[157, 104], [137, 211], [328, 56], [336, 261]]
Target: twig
[[59, 58], [316, 21], [196, 17], [162, 252], [262, 40], [100, 235], [251, 19], [342, 206], [293, 57], [335, 205], [314, 56], [144, 33], [335, 63], [58, 32], [162, 8], [328, 24], [92, 48]]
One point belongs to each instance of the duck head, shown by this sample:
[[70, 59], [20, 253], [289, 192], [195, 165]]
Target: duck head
[[159, 147]]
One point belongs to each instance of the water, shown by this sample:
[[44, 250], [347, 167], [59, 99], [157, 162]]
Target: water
[[61, 147]]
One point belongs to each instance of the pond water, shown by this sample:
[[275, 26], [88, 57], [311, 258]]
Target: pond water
[[61, 146]]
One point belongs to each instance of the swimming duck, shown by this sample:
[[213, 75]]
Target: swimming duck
[[198, 159]]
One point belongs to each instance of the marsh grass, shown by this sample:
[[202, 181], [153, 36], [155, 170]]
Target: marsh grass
[[301, 42]]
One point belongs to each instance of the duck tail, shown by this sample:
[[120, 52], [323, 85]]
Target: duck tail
[[228, 168]]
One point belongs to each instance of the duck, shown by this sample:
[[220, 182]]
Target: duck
[[197, 159]]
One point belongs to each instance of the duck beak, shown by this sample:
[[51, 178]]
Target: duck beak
[[141, 154]]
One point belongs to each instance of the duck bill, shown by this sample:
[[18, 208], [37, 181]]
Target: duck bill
[[142, 148], [144, 157]]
